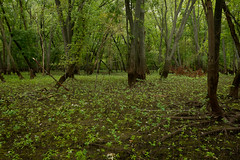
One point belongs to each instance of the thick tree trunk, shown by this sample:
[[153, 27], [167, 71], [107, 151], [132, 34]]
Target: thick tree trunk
[[166, 68], [141, 60], [234, 90], [238, 57], [214, 30], [137, 60], [69, 73]]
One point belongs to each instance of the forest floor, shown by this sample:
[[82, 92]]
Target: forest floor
[[101, 118]]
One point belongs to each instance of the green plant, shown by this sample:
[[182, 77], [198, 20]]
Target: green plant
[[81, 155]]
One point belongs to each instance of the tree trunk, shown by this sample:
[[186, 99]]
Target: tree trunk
[[9, 50], [4, 59], [137, 60], [98, 66], [109, 69], [41, 33], [224, 57], [22, 15], [160, 24], [141, 60], [237, 56], [166, 68], [69, 73], [67, 33], [49, 51], [196, 38], [100, 52], [17, 44], [2, 78], [1, 63], [9, 67], [233, 90], [1, 68], [63, 25], [169, 54], [120, 53], [43, 51], [214, 30], [179, 57]]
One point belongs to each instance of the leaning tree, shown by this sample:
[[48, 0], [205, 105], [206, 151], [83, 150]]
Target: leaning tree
[[236, 82]]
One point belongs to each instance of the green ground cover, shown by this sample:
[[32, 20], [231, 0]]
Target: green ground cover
[[101, 118]]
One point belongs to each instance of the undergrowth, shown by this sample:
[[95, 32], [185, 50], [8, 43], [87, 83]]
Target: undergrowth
[[101, 118]]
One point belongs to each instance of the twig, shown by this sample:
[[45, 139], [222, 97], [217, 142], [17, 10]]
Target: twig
[[50, 75], [160, 124], [236, 129], [181, 129], [189, 118]]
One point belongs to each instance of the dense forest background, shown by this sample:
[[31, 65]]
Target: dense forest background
[[93, 35], [119, 79]]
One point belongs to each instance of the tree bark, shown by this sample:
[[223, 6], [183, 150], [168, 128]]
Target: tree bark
[[4, 59], [137, 61], [233, 90], [31, 68], [1, 68], [1, 63], [224, 57], [99, 51], [9, 67], [67, 33], [170, 52], [120, 53], [49, 51], [2, 78], [214, 30], [195, 21], [237, 56], [22, 15], [63, 78], [160, 24], [9, 50], [43, 50]]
